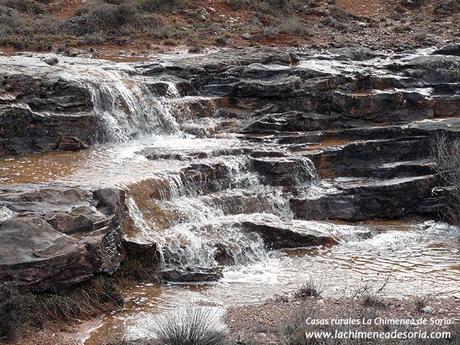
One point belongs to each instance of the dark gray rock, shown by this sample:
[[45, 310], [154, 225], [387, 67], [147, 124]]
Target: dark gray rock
[[57, 238], [361, 157], [450, 49], [191, 275], [26, 131], [361, 200], [284, 171], [283, 236]]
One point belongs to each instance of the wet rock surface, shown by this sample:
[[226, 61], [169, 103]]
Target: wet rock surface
[[340, 135], [56, 237]]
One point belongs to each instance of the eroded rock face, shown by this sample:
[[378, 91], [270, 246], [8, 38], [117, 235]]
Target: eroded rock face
[[282, 236], [366, 199], [260, 90], [192, 275], [284, 171], [26, 131], [59, 236]]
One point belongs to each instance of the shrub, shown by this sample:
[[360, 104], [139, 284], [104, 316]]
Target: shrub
[[266, 6], [16, 310], [446, 156], [421, 302], [110, 17], [160, 5], [190, 326], [101, 17], [22, 309], [309, 289], [24, 6], [294, 26], [373, 300]]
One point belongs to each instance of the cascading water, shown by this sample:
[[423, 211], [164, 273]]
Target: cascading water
[[206, 229], [125, 104], [194, 197]]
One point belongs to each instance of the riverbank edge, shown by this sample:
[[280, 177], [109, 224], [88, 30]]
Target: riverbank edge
[[273, 321]]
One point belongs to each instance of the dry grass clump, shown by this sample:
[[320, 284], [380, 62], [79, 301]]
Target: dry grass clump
[[190, 326], [309, 289], [446, 156], [21, 309]]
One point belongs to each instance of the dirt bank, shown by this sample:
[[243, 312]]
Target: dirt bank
[[269, 322], [137, 26]]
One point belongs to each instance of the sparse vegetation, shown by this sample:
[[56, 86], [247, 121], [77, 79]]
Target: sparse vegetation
[[190, 326], [309, 289], [43, 25], [160, 5], [294, 26], [21, 309], [96, 22], [421, 302], [446, 155]]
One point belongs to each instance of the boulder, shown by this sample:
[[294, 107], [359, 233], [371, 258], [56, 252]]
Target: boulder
[[25, 131], [284, 171], [58, 237], [279, 235], [450, 49], [358, 200], [367, 157], [192, 275], [67, 143]]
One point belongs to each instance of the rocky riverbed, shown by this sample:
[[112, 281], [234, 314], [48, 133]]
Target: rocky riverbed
[[231, 175]]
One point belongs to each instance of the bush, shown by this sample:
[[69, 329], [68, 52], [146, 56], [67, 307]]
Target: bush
[[109, 17], [309, 289], [294, 26], [190, 326], [22, 309], [16, 310], [446, 156], [266, 6], [24, 6], [160, 5]]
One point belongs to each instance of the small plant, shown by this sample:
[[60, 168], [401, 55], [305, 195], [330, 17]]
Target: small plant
[[309, 289], [400, 29], [446, 156], [371, 296], [24, 6], [294, 26], [160, 5], [421, 302], [190, 326], [373, 300], [21, 309]]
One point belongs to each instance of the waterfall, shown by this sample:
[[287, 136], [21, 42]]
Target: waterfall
[[199, 228], [124, 102]]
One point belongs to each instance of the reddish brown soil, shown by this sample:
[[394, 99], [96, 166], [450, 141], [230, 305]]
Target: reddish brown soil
[[263, 324], [64, 8], [369, 8], [374, 23]]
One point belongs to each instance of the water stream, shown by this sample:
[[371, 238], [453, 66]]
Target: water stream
[[190, 219]]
